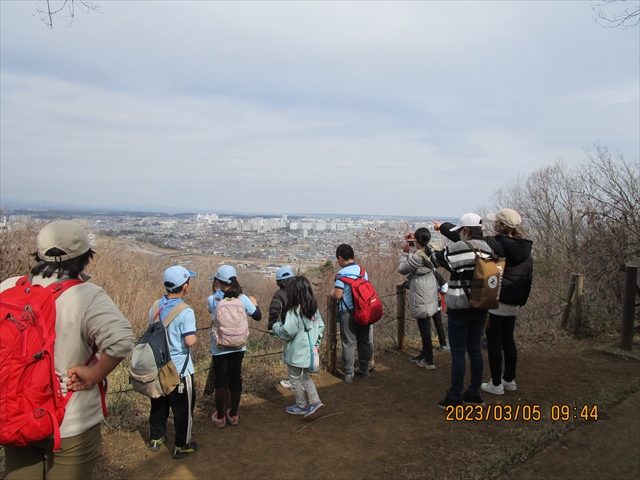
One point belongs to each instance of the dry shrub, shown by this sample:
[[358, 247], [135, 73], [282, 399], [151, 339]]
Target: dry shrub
[[17, 243]]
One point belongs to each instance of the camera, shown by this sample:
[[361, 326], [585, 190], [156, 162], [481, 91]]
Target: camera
[[410, 240]]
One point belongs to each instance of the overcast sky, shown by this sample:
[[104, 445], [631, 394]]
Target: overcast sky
[[390, 108]]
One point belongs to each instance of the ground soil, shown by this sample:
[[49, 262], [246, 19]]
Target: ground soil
[[390, 426]]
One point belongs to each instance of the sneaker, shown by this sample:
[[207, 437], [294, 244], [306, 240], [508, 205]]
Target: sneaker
[[286, 384], [348, 378], [296, 410], [491, 388], [424, 363], [511, 386], [443, 348], [363, 373], [230, 419], [448, 401], [154, 445], [218, 422], [313, 412], [181, 452], [473, 399], [372, 363], [416, 358]]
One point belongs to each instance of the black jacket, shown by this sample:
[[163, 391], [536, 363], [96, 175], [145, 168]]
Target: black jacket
[[518, 271], [278, 302]]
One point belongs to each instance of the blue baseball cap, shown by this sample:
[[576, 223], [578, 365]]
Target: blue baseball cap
[[283, 272], [177, 276], [224, 274]]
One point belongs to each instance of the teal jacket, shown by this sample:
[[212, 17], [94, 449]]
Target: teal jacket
[[294, 331]]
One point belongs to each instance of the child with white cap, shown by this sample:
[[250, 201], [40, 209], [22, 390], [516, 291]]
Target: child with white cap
[[181, 333], [227, 362]]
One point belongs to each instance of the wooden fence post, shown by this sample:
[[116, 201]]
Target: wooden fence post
[[577, 317], [631, 288], [567, 306], [400, 315], [332, 334], [209, 387]]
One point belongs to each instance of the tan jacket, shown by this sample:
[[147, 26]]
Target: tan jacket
[[84, 315]]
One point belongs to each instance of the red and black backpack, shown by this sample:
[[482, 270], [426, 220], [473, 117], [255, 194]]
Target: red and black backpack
[[367, 307]]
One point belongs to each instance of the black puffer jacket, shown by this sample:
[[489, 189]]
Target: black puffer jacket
[[518, 272]]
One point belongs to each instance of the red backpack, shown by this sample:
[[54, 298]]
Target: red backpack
[[32, 405], [367, 305]]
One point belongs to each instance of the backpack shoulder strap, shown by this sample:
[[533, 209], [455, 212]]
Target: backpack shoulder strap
[[173, 314], [155, 309]]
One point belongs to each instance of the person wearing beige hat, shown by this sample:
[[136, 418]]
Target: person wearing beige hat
[[85, 318], [514, 292]]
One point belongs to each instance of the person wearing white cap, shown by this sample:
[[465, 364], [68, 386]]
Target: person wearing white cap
[[85, 317], [465, 323], [514, 292], [226, 363], [181, 333]]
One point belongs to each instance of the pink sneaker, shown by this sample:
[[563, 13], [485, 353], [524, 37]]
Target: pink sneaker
[[230, 419], [218, 422]]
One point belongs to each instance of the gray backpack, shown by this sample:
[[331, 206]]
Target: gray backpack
[[152, 371]]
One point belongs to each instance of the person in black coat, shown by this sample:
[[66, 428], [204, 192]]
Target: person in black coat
[[514, 292]]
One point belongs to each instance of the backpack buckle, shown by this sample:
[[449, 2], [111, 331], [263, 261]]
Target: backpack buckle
[[39, 413], [38, 356]]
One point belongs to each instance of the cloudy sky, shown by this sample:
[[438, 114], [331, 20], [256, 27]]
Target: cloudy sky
[[390, 108]]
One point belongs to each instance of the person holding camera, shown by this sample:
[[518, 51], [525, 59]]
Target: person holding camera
[[423, 290]]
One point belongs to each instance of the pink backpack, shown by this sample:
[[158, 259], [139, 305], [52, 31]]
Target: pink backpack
[[230, 326]]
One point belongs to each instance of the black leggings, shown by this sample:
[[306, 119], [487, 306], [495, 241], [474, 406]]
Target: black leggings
[[228, 369], [499, 338], [424, 325]]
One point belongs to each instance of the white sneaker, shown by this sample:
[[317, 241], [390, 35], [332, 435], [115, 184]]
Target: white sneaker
[[286, 384], [491, 388], [511, 386]]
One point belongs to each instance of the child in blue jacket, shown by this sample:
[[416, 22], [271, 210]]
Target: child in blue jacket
[[302, 330]]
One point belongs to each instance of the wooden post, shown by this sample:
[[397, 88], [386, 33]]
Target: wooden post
[[577, 318], [209, 386], [631, 285], [400, 315], [332, 334], [567, 306]]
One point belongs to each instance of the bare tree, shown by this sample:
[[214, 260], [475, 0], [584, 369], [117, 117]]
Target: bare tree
[[583, 220], [625, 18], [66, 9]]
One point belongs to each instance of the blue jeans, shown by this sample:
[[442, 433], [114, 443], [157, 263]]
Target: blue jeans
[[465, 333]]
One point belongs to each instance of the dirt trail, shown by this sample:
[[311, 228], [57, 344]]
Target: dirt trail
[[390, 426]]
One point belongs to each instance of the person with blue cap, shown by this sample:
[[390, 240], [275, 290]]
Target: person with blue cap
[[226, 363], [181, 333], [278, 302]]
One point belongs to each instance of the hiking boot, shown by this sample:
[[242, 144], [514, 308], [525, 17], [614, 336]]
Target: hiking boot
[[443, 348], [348, 378], [491, 388], [511, 386], [181, 452], [428, 364], [449, 402], [218, 422], [364, 373], [296, 410], [473, 399], [286, 384], [372, 363], [154, 445], [313, 412], [231, 420], [416, 358]]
